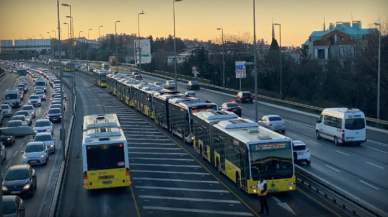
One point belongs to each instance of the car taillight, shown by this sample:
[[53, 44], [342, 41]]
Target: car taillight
[[127, 169], [343, 133], [242, 96], [251, 96], [85, 175], [284, 123], [239, 107], [270, 124], [228, 109], [308, 150]]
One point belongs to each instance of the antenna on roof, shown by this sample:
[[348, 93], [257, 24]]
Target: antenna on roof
[[324, 24]]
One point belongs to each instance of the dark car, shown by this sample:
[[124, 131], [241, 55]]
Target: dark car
[[232, 107], [244, 96], [54, 115], [13, 206], [19, 180], [193, 85], [7, 140]]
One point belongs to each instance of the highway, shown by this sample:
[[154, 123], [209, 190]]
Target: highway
[[168, 178], [46, 174]]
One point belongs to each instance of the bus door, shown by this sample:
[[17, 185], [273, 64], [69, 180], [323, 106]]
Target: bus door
[[244, 166], [222, 154]]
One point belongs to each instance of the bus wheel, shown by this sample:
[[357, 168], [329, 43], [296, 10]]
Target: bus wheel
[[238, 182]]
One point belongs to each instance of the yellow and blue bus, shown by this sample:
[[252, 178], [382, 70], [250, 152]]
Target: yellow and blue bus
[[99, 77], [244, 152], [104, 153]]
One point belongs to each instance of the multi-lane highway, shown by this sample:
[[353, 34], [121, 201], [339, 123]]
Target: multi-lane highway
[[168, 178], [46, 174]]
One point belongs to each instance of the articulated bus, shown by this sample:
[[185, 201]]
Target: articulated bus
[[160, 105], [111, 82], [99, 77], [146, 100], [243, 151], [104, 153]]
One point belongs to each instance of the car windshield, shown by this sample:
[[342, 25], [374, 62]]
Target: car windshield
[[40, 83], [39, 93], [299, 147], [54, 111], [11, 96], [355, 124], [42, 124], [19, 118], [273, 160], [4, 107], [27, 107], [34, 148], [246, 94], [232, 105], [275, 119], [9, 207], [17, 174], [42, 138], [34, 97], [194, 82], [55, 106], [14, 124]]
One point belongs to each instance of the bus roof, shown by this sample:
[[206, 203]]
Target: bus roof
[[215, 116], [249, 132], [103, 136], [100, 121]]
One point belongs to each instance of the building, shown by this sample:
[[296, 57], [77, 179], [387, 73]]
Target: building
[[339, 41], [24, 46]]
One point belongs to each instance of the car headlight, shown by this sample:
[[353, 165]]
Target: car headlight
[[24, 156], [47, 117], [27, 186], [51, 146], [48, 130], [42, 156], [5, 188], [60, 116]]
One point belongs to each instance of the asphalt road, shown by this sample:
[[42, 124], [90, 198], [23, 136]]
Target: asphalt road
[[168, 178], [46, 174]]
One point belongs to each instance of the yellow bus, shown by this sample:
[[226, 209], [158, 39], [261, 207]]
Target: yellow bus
[[104, 153], [99, 77], [243, 151]]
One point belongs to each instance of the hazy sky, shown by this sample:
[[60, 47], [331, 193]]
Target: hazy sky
[[194, 18]]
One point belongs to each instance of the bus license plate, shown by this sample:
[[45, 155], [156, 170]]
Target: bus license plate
[[107, 182]]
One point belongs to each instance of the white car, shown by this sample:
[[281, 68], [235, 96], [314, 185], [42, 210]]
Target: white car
[[7, 110], [273, 122], [35, 153], [301, 152], [47, 139], [191, 93], [34, 100], [30, 109], [41, 94], [43, 125], [55, 101], [160, 84]]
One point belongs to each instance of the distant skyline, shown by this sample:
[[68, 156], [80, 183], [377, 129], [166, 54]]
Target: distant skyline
[[195, 19]]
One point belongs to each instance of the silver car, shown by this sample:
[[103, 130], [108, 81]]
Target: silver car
[[43, 125], [169, 84], [35, 153], [273, 122], [48, 140], [41, 94], [30, 109], [7, 110], [20, 118]]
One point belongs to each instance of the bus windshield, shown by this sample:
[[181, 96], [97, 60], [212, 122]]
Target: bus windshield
[[271, 160], [103, 77], [102, 157]]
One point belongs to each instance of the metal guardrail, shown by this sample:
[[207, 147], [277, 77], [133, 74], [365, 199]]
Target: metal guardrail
[[338, 196]]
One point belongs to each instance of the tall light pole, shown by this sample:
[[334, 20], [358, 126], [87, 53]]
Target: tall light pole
[[280, 58], [118, 21], [138, 38], [99, 39], [223, 57], [79, 36], [88, 32], [378, 73], [254, 59], [88, 49], [70, 32], [55, 36], [176, 76]]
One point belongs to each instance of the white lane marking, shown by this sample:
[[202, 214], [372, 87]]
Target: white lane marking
[[154, 148], [291, 134], [369, 185], [176, 180], [203, 211], [8, 164], [375, 165], [314, 142], [277, 200], [182, 189], [332, 168], [25, 137], [15, 153], [342, 153], [165, 165], [149, 158], [21, 144], [374, 149], [145, 153], [189, 199], [171, 172], [378, 143]]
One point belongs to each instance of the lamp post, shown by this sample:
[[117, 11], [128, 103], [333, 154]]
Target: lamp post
[[254, 59], [68, 30], [12, 131], [176, 76], [118, 21], [79, 36], [138, 38], [71, 25], [223, 57], [378, 73], [88, 49], [280, 58], [99, 39]]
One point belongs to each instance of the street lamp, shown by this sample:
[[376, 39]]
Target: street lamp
[[138, 38], [62, 132], [254, 60], [71, 33], [118, 21], [378, 73], [280, 58], [79, 34], [176, 76], [68, 30], [12, 131], [99, 39], [223, 57], [88, 32]]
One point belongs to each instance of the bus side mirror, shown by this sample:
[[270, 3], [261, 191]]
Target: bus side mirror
[[319, 120]]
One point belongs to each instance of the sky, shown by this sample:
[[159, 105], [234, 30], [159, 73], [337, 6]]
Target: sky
[[195, 19]]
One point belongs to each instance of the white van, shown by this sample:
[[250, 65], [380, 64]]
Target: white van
[[40, 83], [342, 125]]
